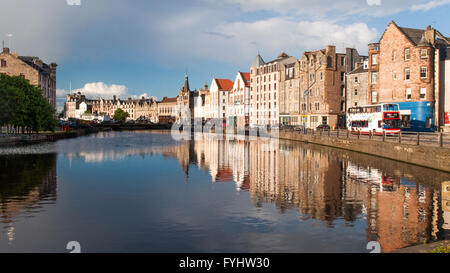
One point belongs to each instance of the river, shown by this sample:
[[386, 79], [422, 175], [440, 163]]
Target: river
[[143, 191]]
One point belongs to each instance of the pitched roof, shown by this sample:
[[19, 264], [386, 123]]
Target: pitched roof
[[30, 61], [413, 34], [246, 77], [168, 100], [359, 69], [258, 61], [224, 84], [282, 56]]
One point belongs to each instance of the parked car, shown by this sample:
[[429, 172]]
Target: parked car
[[323, 127]]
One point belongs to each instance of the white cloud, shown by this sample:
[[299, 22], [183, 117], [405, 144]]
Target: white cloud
[[429, 5], [95, 90], [323, 8], [238, 42], [101, 89], [100, 29], [374, 2], [73, 2]]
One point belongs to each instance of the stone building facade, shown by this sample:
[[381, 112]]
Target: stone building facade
[[402, 70], [185, 102], [147, 109], [33, 69], [322, 86], [357, 87], [167, 110], [136, 108], [72, 104], [290, 94], [265, 90]]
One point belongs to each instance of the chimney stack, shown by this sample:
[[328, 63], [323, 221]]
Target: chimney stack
[[6, 50], [428, 27], [114, 97]]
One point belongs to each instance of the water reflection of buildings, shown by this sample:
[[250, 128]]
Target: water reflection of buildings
[[399, 212], [318, 183], [324, 186], [25, 181]]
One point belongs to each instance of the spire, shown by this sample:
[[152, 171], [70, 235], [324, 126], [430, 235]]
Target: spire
[[186, 84], [258, 61]]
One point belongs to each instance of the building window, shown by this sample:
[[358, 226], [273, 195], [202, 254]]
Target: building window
[[407, 54], [329, 61], [374, 59], [423, 72], [423, 53], [342, 76], [3, 63], [394, 75], [342, 61], [407, 74], [356, 92], [408, 93], [374, 77], [321, 76], [374, 97], [394, 55], [423, 93], [356, 79]]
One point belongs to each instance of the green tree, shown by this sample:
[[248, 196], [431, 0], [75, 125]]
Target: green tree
[[120, 115], [22, 106]]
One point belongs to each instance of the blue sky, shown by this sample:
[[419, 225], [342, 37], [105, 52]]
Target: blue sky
[[133, 48]]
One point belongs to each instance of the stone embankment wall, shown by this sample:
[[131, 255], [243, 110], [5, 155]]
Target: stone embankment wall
[[427, 156]]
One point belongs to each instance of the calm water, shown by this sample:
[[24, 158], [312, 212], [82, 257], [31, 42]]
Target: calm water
[[145, 192]]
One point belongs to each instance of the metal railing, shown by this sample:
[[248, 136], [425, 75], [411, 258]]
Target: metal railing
[[412, 138]]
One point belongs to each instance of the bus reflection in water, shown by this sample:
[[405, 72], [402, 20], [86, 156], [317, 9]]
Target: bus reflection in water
[[375, 119]]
